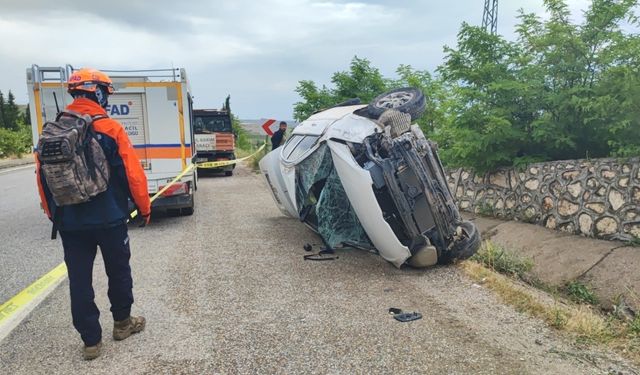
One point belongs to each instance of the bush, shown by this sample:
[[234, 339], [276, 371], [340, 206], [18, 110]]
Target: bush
[[15, 142], [560, 91]]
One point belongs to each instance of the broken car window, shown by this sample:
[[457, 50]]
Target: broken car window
[[291, 144], [323, 203], [301, 147]]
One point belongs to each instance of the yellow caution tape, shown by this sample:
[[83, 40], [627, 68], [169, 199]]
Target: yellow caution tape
[[210, 164], [224, 163]]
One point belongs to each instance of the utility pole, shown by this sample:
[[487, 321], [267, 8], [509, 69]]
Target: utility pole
[[490, 16]]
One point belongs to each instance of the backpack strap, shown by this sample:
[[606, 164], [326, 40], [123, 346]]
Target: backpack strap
[[68, 113], [57, 217], [91, 134]]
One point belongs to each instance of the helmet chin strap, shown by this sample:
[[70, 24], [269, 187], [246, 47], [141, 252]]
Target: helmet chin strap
[[100, 96]]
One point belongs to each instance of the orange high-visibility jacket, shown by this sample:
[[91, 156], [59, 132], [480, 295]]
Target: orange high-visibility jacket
[[127, 180]]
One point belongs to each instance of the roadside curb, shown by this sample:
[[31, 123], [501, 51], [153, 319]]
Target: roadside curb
[[609, 268], [11, 163]]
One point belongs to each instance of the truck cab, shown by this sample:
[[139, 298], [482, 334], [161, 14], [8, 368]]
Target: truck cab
[[214, 137]]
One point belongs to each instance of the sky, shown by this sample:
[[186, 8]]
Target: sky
[[255, 51]]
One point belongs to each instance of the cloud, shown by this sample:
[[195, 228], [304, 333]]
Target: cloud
[[256, 51]]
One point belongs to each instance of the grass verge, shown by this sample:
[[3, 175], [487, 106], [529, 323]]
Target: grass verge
[[255, 144], [503, 272]]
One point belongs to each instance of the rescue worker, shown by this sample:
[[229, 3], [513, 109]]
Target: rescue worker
[[278, 139], [102, 221]]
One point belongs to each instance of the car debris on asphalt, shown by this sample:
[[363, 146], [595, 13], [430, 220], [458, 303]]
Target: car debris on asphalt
[[402, 316], [320, 255]]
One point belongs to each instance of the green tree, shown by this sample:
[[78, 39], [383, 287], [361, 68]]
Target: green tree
[[11, 113], [560, 91], [361, 81], [493, 105], [313, 99], [3, 121], [27, 115], [436, 116]]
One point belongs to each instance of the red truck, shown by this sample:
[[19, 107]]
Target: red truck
[[214, 136]]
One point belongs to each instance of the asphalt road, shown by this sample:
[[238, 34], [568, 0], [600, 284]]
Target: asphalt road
[[26, 250], [227, 291]]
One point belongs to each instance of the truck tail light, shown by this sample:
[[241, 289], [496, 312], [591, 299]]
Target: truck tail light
[[176, 189]]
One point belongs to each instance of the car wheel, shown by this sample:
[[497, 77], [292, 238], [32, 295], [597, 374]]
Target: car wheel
[[464, 247], [406, 100]]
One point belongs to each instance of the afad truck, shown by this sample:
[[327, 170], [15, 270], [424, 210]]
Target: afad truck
[[154, 107], [215, 140]]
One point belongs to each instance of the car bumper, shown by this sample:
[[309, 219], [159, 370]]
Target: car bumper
[[176, 201]]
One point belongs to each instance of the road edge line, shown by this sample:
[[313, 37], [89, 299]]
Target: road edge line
[[17, 168], [13, 312]]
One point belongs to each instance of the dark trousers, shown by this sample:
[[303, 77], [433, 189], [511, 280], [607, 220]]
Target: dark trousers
[[80, 249]]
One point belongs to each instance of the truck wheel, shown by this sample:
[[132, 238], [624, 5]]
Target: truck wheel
[[465, 247], [188, 211], [406, 100], [195, 179], [228, 173]]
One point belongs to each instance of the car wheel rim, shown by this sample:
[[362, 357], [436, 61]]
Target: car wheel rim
[[394, 100]]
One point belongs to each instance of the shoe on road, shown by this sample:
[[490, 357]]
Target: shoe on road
[[125, 328], [91, 352]]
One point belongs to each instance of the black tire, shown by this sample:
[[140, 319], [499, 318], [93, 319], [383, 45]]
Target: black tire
[[228, 173], [465, 248], [188, 211], [406, 100], [195, 180]]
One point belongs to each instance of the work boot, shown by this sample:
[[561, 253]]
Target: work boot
[[125, 328], [91, 352]]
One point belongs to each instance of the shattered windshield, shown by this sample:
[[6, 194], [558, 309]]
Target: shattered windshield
[[324, 204]]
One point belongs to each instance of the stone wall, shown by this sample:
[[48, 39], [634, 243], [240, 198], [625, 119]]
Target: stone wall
[[596, 198]]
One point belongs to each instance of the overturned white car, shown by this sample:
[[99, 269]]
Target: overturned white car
[[364, 176]]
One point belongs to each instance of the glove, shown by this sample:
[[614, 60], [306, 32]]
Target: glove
[[145, 220]]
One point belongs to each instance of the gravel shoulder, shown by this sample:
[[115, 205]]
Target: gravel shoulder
[[227, 291]]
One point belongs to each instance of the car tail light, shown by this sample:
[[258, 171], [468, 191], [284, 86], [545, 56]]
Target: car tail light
[[176, 189]]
